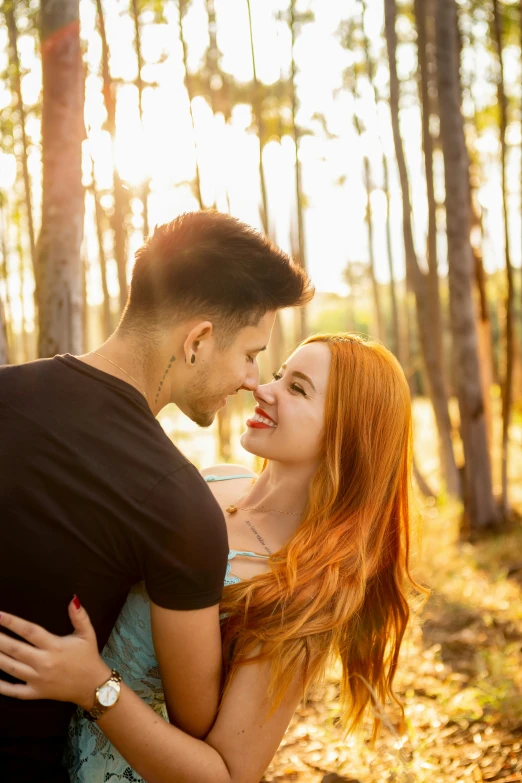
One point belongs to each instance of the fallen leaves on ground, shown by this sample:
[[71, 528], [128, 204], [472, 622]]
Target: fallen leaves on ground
[[460, 680]]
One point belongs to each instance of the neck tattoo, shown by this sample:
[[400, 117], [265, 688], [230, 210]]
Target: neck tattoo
[[259, 538], [158, 391]]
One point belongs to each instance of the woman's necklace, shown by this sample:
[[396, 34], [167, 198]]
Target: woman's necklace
[[121, 370], [233, 508]]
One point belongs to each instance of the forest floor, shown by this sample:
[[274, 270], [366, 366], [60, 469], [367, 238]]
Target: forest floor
[[460, 674], [460, 679]]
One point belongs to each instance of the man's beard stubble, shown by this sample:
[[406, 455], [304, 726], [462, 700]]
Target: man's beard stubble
[[202, 410]]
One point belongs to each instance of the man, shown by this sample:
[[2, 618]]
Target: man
[[94, 497]]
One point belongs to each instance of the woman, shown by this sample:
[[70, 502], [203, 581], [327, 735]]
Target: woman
[[329, 518]]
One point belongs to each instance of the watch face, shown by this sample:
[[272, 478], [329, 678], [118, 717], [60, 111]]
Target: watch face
[[108, 695]]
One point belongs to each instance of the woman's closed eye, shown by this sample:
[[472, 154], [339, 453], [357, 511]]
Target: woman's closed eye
[[294, 386]]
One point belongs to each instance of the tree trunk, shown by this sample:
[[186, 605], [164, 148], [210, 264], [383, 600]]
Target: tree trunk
[[486, 353], [418, 281], [369, 225], [21, 277], [480, 504], [276, 341], [258, 116], [182, 9], [301, 248], [139, 84], [4, 351], [6, 310], [59, 262], [14, 65], [507, 386], [350, 308], [396, 329], [368, 218], [119, 213], [396, 341], [433, 298], [484, 329], [99, 215]]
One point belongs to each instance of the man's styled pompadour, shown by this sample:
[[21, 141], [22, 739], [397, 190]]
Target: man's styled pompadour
[[211, 265]]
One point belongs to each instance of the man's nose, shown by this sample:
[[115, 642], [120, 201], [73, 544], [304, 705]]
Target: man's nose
[[251, 382]]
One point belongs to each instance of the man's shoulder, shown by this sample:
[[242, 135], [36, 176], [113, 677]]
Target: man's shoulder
[[183, 486], [18, 370], [181, 508]]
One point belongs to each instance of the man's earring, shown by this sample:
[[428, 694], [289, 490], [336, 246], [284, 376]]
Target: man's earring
[[193, 359]]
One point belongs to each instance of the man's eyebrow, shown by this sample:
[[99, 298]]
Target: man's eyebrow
[[258, 350], [300, 375]]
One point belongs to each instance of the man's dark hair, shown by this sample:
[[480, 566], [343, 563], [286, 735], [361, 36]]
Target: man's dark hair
[[211, 265]]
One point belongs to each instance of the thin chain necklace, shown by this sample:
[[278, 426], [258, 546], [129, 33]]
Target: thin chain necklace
[[233, 508], [121, 370]]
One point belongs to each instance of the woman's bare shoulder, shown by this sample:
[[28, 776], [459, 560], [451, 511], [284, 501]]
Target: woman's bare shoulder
[[226, 469]]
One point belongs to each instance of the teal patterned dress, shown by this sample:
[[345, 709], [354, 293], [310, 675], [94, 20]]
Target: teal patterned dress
[[90, 757]]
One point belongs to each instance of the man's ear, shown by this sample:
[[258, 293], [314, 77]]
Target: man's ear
[[198, 334]]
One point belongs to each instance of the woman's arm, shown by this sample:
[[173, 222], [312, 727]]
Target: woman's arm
[[237, 750]]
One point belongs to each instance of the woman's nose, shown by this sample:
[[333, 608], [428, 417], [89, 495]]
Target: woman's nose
[[265, 393]]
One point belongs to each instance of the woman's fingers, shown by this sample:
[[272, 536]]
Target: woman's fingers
[[25, 653], [17, 691], [16, 669], [80, 619], [31, 632]]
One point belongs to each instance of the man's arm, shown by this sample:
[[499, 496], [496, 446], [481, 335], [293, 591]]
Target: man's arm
[[188, 649], [184, 572]]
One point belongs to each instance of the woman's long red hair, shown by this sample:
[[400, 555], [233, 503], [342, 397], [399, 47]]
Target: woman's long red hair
[[339, 587]]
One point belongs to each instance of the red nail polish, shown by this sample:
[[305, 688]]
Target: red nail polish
[[76, 602]]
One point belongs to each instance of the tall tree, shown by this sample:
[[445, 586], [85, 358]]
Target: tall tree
[[507, 386], [426, 86], [370, 69], [8, 8], [486, 352], [368, 218], [480, 504], [120, 200], [140, 86], [277, 341], [399, 347], [520, 208], [59, 263], [257, 110], [183, 6], [417, 279], [22, 271], [300, 246], [4, 348], [4, 278], [4, 339], [99, 218]]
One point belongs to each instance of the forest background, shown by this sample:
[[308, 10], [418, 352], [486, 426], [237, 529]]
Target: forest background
[[379, 142]]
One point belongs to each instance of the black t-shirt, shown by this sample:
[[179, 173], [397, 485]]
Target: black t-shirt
[[94, 497]]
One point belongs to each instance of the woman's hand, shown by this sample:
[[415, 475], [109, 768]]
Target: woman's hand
[[62, 668]]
